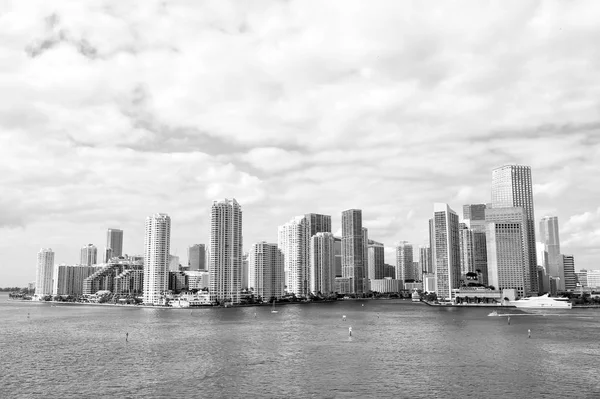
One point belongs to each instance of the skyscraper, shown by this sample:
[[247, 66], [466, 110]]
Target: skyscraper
[[474, 216], [404, 261], [157, 242], [114, 241], [353, 249], [425, 259], [293, 241], [507, 250], [44, 272], [89, 255], [322, 263], [570, 278], [550, 239], [317, 223], [265, 270], [445, 250], [375, 270], [245, 270], [512, 187], [225, 266], [197, 257]]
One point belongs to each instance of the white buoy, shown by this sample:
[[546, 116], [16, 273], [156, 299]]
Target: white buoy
[[344, 317], [529, 333], [350, 331]]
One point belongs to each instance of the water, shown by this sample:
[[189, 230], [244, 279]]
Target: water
[[397, 349]]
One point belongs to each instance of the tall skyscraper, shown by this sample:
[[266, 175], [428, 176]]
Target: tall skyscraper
[[89, 255], [245, 271], [174, 263], [507, 250], [322, 263], [570, 278], [376, 251], [474, 216], [44, 272], [512, 187], [338, 256], [551, 246], [317, 223], [114, 241], [265, 271], [353, 266], [404, 261], [293, 241], [445, 250], [157, 242], [425, 259], [197, 257], [226, 251]]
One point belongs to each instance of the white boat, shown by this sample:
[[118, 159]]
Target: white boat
[[542, 302]]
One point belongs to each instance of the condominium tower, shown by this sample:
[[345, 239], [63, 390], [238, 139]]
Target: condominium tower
[[157, 241], [114, 242], [512, 187], [197, 257], [376, 262], [445, 250], [322, 263], [265, 271], [404, 262], [44, 272], [353, 247], [550, 240], [89, 255], [225, 266], [292, 240]]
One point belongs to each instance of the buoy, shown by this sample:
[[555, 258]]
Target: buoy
[[363, 304], [529, 333], [350, 331], [509, 320], [344, 317], [126, 337], [255, 315]]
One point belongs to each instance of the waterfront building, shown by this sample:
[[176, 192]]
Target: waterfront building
[[550, 240], [89, 255], [386, 285], [593, 278], [365, 241], [322, 263], [157, 242], [292, 240], [44, 272], [417, 285], [480, 262], [265, 271], [507, 250], [376, 260], [429, 282], [581, 277], [197, 279], [568, 265], [114, 242], [543, 280], [425, 259], [353, 266], [174, 263], [343, 285], [197, 257], [226, 251], [178, 281], [404, 261], [553, 282], [512, 187], [445, 250], [338, 256], [103, 278], [129, 282], [68, 279]]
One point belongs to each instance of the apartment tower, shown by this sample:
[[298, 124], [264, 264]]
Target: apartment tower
[[157, 243], [353, 247]]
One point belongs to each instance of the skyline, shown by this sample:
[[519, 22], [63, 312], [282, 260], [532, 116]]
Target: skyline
[[110, 114]]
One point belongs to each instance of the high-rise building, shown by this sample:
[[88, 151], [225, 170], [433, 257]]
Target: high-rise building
[[353, 266], [114, 241], [512, 187], [338, 256], [507, 250], [245, 268], [226, 254], [322, 263], [107, 255], [292, 240], [404, 261], [582, 278], [389, 271], [551, 246], [157, 242], [68, 280], [265, 271], [197, 257], [425, 259], [317, 223], [416, 272], [570, 279], [593, 278], [366, 254], [376, 252], [174, 263], [445, 250], [89, 255], [44, 272], [467, 258], [474, 213]]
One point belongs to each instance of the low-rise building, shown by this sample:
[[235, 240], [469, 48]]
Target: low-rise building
[[386, 285]]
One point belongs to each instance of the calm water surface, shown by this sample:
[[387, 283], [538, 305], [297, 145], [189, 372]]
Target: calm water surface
[[397, 349]]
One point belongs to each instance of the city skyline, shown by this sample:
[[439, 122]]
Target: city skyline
[[309, 111]]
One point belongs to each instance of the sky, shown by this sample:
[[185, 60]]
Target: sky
[[111, 111]]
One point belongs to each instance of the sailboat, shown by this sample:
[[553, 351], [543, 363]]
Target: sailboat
[[273, 308]]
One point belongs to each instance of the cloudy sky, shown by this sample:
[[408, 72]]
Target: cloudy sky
[[111, 111]]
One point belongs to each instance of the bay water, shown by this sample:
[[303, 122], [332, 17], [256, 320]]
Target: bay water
[[397, 349]]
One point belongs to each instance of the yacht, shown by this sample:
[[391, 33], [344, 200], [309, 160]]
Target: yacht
[[542, 302]]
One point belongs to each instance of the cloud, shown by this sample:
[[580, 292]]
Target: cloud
[[115, 111]]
